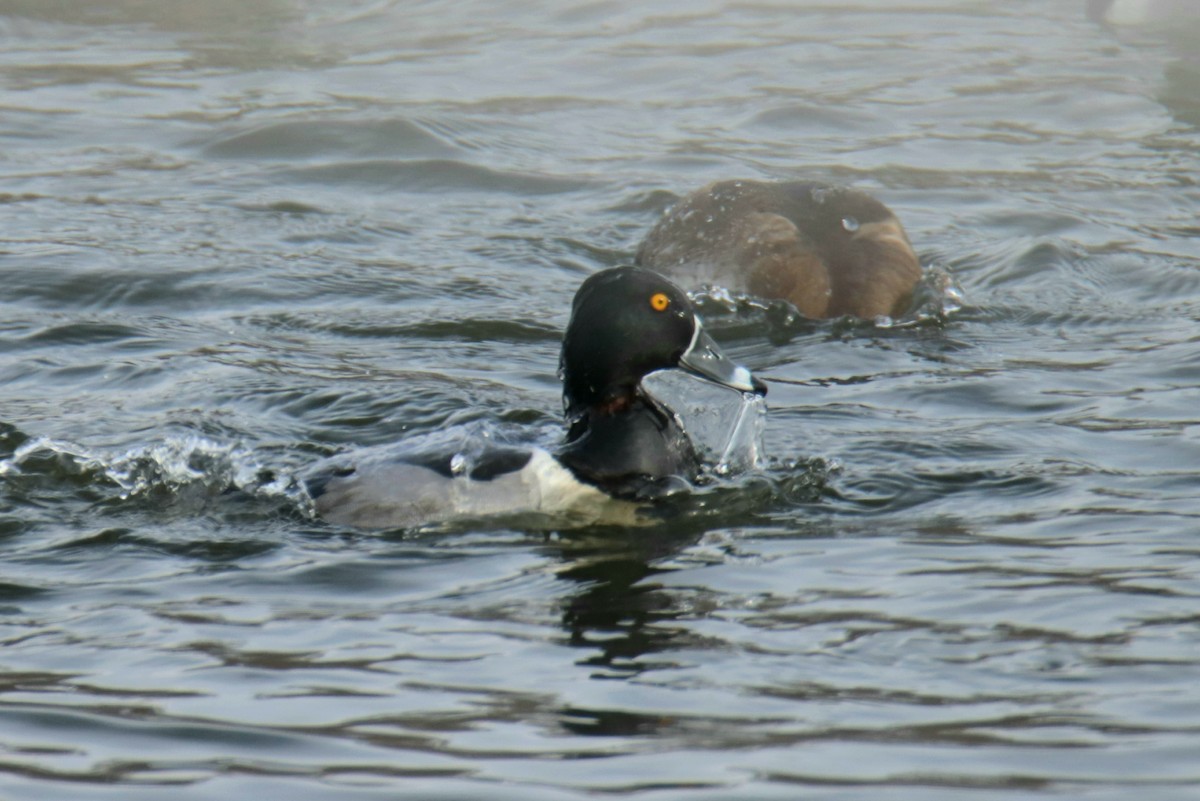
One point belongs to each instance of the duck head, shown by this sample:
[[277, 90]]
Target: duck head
[[627, 322]]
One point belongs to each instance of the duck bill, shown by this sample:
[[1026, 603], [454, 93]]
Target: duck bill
[[705, 359]]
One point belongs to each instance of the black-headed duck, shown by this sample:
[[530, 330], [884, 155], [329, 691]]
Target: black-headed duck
[[622, 445]]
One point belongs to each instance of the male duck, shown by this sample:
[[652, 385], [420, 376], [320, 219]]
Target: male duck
[[829, 251], [622, 448]]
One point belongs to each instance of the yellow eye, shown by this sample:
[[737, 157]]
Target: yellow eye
[[659, 301]]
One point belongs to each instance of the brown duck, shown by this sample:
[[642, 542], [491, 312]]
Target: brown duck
[[828, 250]]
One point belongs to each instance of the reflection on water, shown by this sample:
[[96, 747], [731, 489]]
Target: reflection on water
[[242, 238]]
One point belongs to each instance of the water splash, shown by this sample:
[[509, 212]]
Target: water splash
[[190, 460], [45, 454], [936, 298], [168, 467], [727, 434], [743, 449]]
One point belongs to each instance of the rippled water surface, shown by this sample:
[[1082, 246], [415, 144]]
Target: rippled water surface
[[240, 237]]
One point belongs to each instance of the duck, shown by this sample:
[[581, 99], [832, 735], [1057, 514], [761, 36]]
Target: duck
[[1146, 13], [830, 251], [622, 449]]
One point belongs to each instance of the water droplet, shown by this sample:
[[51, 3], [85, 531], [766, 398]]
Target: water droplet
[[458, 464], [850, 224]]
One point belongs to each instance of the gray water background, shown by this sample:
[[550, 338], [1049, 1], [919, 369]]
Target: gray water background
[[236, 238]]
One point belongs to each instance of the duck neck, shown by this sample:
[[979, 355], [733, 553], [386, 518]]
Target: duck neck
[[630, 445], [579, 406], [591, 382]]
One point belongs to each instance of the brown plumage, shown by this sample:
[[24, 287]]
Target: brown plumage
[[828, 250]]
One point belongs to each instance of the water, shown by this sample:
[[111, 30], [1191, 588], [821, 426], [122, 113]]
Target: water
[[242, 237]]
